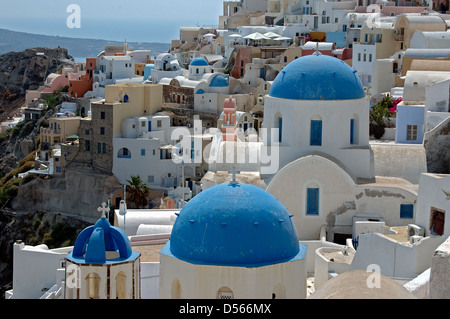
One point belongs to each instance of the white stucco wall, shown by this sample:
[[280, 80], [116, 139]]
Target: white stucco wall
[[399, 160], [286, 280], [431, 195], [395, 259], [149, 280], [335, 115], [28, 282], [340, 199]]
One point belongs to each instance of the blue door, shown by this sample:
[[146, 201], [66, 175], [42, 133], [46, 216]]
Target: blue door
[[312, 201], [149, 126], [316, 132]]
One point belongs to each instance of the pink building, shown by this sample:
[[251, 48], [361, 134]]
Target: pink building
[[55, 82], [229, 120]]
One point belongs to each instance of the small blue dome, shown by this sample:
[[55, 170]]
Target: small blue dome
[[317, 77], [234, 225], [219, 80], [199, 61], [93, 243]]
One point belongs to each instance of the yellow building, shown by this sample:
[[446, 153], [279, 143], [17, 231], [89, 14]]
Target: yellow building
[[405, 25], [140, 99], [59, 129]]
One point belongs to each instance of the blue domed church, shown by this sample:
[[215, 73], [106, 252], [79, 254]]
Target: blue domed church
[[233, 241], [316, 117], [102, 265]]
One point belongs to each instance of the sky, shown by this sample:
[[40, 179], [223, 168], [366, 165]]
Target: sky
[[133, 20]]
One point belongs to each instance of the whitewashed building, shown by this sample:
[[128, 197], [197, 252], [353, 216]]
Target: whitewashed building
[[146, 148]]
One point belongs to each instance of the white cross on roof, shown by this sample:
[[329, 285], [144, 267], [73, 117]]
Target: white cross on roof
[[103, 209]]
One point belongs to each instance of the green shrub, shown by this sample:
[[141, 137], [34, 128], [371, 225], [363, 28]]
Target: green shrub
[[27, 129], [28, 178], [3, 137], [62, 232], [16, 129], [36, 224]]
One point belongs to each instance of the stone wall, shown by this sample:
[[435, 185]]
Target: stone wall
[[171, 93], [437, 146], [440, 268]]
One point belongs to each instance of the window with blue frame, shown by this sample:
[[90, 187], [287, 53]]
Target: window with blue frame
[[280, 129], [406, 211], [316, 132], [312, 201], [352, 131], [124, 153], [142, 151]]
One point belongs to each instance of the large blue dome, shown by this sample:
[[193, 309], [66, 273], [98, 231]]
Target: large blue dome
[[199, 61], [317, 77], [234, 225]]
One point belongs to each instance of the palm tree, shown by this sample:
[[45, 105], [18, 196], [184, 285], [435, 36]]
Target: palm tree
[[137, 191]]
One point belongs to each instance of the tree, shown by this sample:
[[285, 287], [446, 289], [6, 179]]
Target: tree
[[137, 191]]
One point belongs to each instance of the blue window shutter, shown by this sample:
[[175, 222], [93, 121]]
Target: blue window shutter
[[352, 131], [142, 151], [406, 211], [312, 201], [316, 132], [280, 129]]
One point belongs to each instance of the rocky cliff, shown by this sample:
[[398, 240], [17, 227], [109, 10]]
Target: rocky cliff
[[26, 70], [79, 192]]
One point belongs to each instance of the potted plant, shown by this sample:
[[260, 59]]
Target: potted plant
[[380, 115]]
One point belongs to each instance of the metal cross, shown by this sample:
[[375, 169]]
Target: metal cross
[[103, 209], [233, 175]]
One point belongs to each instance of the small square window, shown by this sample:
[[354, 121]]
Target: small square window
[[406, 211]]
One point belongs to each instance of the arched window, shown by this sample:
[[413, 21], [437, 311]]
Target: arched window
[[225, 293], [316, 131], [125, 98], [124, 153], [93, 285], [121, 285], [312, 199], [354, 129]]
